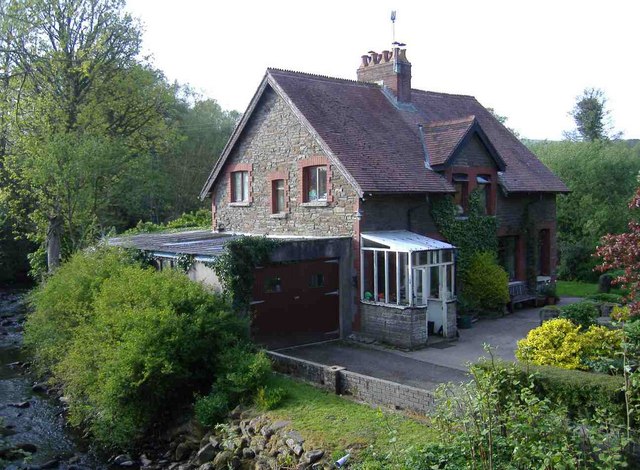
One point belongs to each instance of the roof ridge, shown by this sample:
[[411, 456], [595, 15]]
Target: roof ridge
[[441, 93], [448, 122], [323, 77]]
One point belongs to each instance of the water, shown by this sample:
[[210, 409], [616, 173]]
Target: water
[[42, 422]]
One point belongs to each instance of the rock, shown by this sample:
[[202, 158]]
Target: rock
[[39, 388], [248, 453], [182, 451], [6, 431], [312, 456], [186, 466], [26, 447], [22, 404], [206, 466], [268, 431], [261, 465], [214, 442], [74, 459], [236, 412], [54, 463], [127, 463], [145, 461], [296, 436], [222, 460], [206, 454], [118, 459]]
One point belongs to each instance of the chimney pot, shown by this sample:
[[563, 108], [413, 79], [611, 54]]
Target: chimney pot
[[386, 55], [395, 75], [375, 57], [365, 60]]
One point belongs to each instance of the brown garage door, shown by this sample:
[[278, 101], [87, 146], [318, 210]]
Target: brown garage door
[[297, 297]]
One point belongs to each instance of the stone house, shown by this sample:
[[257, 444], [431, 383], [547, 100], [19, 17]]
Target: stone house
[[346, 173]]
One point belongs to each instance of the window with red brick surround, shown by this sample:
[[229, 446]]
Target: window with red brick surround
[[240, 183], [315, 180], [279, 183]]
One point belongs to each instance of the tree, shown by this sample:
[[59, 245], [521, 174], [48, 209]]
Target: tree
[[86, 111], [602, 178], [593, 119], [622, 252]]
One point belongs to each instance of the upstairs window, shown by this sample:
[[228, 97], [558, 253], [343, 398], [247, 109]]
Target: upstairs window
[[315, 183], [278, 196], [240, 186], [484, 187], [461, 197]]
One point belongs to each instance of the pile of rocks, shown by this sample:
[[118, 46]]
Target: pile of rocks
[[245, 443]]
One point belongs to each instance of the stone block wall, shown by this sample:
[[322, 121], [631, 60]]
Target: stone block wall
[[365, 388], [404, 327], [277, 146]]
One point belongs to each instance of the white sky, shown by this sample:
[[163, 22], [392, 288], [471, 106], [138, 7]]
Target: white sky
[[527, 59]]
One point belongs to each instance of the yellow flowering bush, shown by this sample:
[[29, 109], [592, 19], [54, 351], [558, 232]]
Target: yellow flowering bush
[[560, 343], [555, 343]]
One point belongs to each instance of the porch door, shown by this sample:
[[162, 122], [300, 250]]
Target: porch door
[[420, 286]]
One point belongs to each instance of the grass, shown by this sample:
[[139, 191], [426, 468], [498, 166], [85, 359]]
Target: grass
[[579, 289], [338, 425]]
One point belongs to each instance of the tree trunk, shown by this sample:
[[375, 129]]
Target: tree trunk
[[54, 233]]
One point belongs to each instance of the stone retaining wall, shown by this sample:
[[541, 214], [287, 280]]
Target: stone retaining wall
[[362, 387], [403, 327]]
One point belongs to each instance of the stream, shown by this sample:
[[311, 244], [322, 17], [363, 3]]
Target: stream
[[33, 434]]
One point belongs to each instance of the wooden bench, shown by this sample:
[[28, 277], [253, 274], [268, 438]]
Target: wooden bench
[[519, 293]]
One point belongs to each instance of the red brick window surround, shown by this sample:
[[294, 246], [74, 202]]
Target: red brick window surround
[[315, 180], [279, 183], [240, 177]]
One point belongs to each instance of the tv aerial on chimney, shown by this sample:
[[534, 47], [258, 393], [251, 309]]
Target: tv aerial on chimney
[[393, 27]]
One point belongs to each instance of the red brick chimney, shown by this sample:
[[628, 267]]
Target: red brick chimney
[[390, 69]]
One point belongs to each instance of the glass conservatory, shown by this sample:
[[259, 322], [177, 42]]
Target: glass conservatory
[[402, 269]]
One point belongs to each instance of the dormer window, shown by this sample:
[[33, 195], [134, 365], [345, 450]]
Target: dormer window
[[315, 183], [461, 196]]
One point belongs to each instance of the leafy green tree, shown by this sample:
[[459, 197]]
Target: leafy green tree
[[86, 114], [601, 177], [593, 119]]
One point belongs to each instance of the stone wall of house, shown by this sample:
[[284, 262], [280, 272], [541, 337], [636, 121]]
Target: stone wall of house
[[412, 212], [274, 142], [403, 327]]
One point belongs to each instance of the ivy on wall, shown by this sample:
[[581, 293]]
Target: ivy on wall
[[235, 268], [474, 233]]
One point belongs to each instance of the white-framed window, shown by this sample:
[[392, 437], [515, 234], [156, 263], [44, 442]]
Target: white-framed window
[[405, 278], [240, 186], [278, 195], [315, 183]]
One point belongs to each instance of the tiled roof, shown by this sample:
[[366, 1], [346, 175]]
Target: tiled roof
[[377, 142], [443, 137]]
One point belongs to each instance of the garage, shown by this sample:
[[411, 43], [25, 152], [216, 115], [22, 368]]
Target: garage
[[296, 302]]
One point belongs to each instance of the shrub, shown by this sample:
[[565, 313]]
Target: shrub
[[555, 342], [486, 284], [151, 338], [270, 397], [211, 409], [65, 301], [561, 343], [583, 314], [499, 420], [608, 298]]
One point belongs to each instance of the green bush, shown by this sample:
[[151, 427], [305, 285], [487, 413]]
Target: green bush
[[583, 314], [608, 298], [242, 375], [500, 420], [65, 301], [270, 397], [123, 342], [486, 284]]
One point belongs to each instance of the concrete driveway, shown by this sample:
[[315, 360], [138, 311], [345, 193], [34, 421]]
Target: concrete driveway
[[438, 363]]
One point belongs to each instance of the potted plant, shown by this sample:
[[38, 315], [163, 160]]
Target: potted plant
[[549, 293]]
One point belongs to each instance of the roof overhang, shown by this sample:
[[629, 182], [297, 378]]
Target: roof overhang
[[405, 241]]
